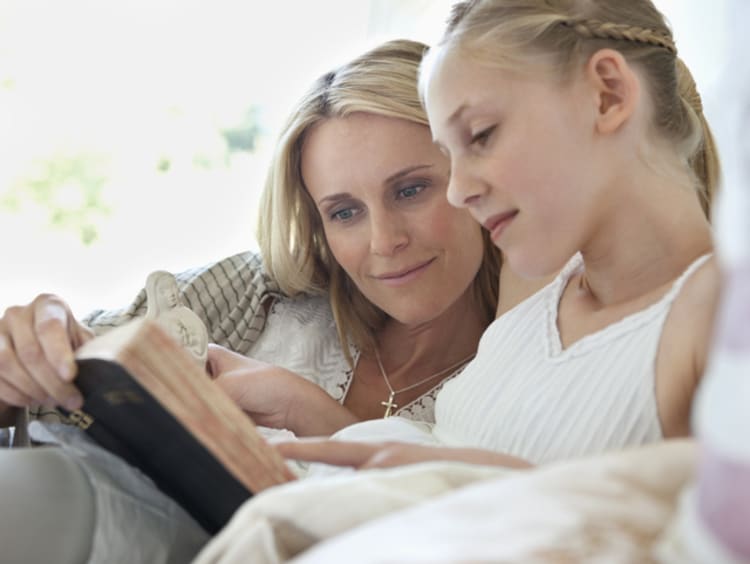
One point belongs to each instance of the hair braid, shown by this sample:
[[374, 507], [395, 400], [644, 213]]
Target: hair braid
[[594, 29], [513, 33]]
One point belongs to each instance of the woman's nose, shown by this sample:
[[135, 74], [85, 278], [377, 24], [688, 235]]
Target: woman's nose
[[388, 234]]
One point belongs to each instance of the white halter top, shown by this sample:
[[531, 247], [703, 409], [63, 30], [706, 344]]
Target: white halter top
[[525, 395]]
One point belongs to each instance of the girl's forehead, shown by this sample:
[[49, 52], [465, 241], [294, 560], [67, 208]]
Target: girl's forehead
[[457, 80], [444, 73], [439, 62]]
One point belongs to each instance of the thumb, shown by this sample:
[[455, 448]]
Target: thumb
[[221, 359], [215, 359]]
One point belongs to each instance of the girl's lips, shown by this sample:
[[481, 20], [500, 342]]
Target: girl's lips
[[497, 223], [404, 276]]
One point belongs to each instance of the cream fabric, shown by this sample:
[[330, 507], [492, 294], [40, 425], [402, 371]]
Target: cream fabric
[[609, 508]]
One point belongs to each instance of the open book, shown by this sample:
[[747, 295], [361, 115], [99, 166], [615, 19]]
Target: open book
[[147, 400]]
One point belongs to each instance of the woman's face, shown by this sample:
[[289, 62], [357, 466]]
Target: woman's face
[[379, 184]]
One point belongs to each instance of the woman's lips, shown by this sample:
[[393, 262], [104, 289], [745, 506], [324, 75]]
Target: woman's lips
[[399, 277], [497, 223]]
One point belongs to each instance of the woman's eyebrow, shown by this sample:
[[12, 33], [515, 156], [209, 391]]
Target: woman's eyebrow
[[406, 171], [333, 198]]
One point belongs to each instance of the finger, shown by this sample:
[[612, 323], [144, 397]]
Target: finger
[[81, 333], [13, 396], [213, 360], [14, 374], [45, 377], [222, 362], [23, 325], [337, 453], [28, 342], [221, 359], [54, 327], [400, 454]]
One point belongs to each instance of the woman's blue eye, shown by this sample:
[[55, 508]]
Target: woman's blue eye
[[410, 191], [342, 215]]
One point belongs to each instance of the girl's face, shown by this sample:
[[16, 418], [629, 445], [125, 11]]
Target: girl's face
[[521, 151], [379, 185]]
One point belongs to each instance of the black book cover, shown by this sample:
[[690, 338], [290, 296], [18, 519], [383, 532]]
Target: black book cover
[[120, 415]]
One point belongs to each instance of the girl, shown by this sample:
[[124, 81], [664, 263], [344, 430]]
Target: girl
[[576, 138]]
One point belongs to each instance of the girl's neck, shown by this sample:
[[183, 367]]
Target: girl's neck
[[644, 243]]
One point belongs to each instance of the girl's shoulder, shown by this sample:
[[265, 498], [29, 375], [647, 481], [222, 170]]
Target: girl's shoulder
[[685, 344], [694, 307]]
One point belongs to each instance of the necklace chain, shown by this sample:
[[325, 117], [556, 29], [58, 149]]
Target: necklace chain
[[390, 405]]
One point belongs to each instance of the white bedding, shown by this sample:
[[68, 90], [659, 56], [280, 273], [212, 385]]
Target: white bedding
[[609, 508]]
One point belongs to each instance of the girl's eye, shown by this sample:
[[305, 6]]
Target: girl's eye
[[410, 191], [483, 136]]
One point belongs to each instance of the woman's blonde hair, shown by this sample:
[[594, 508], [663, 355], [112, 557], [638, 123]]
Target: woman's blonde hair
[[295, 252], [563, 33]]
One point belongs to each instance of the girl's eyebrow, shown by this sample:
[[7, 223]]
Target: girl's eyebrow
[[455, 116], [452, 119], [439, 145]]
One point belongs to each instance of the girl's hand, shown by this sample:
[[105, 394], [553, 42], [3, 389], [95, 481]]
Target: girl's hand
[[363, 455], [275, 397], [37, 344]]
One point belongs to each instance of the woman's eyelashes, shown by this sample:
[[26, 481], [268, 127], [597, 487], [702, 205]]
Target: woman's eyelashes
[[344, 214], [411, 191]]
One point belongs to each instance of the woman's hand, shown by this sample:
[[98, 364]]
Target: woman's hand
[[363, 455], [276, 397], [37, 344]]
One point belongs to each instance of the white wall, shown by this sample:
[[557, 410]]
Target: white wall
[[134, 78]]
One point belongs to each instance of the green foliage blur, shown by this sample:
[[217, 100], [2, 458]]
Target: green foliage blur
[[70, 188]]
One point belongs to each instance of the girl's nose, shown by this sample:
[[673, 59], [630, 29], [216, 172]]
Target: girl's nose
[[464, 189]]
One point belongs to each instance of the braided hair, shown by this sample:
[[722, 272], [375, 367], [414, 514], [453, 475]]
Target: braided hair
[[562, 33]]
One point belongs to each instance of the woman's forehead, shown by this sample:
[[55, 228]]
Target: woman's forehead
[[366, 150]]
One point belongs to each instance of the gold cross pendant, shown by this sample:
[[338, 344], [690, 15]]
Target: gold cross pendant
[[389, 405]]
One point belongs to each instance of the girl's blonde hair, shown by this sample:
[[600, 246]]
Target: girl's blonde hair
[[563, 33], [295, 252]]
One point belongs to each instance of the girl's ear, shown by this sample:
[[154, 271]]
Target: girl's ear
[[615, 86]]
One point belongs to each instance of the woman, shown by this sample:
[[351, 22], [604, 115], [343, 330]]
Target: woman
[[376, 290], [359, 181]]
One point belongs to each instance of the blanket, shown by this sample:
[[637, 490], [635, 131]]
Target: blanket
[[608, 508]]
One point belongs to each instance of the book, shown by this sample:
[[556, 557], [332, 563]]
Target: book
[[147, 400]]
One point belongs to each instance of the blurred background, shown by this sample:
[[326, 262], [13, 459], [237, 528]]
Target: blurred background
[[135, 136]]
